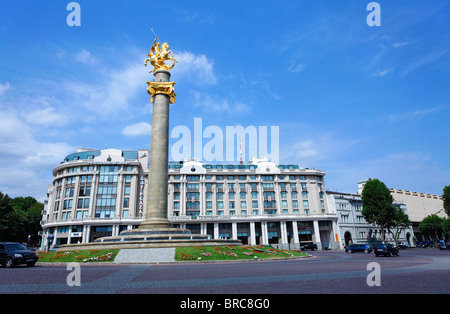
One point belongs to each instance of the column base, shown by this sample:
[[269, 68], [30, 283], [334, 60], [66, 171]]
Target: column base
[[156, 223]]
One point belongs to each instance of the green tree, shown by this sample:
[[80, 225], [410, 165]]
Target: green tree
[[433, 226], [446, 199], [19, 218], [401, 221], [5, 209], [377, 205]]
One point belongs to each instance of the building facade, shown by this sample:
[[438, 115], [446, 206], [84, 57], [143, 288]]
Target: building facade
[[353, 228], [101, 193], [420, 205]]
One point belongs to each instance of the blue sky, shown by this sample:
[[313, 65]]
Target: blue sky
[[355, 101]]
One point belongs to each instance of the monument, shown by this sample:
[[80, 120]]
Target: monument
[[156, 230]]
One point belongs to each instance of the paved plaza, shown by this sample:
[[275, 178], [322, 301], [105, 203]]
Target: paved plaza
[[418, 271]]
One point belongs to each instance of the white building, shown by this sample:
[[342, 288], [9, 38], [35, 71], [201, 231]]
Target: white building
[[101, 193], [353, 228]]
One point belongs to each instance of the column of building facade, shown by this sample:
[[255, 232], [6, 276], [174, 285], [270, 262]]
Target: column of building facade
[[317, 234], [283, 230], [295, 232], [183, 194], [120, 192], [73, 210], [252, 233], [276, 190]]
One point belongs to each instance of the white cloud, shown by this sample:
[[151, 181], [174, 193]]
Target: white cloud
[[112, 94], [313, 148], [217, 105], [137, 129], [416, 114], [399, 44], [295, 68], [84, 56], [382, 73], [27, 163], [4, 88], [195, 68], [45, 117], [432, 57]]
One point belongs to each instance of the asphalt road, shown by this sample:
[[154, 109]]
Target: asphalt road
[[415, 271]]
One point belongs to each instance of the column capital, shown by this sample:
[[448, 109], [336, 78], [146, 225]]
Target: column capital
[[166, 88]]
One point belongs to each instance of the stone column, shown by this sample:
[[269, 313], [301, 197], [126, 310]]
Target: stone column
[[156, 211]]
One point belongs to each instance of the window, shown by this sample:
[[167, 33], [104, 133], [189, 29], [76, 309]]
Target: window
[[85, 191], [69, 192], [243, 204], [254, 204], [231, 205], [108, 174], [242, 195], [126, 202], [192, 178], [83, 203], [231, 195]]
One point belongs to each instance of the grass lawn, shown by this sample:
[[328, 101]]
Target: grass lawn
[[78, 256], [206, 253], [211, 253]]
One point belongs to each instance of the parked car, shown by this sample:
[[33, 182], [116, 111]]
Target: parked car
[[403, 245], [352, 248], [385, 250], [425, 244], [12, 254], [309, 246], [444, 246]]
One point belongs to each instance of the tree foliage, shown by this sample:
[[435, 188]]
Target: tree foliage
[[435, 227], [377, 206], [446, 199], [19, 218]]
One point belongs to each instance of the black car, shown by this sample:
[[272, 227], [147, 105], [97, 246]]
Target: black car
[[12, 254], [309, 246], [385, 250]]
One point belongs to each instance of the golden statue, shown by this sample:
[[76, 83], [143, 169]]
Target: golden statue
[[157, 59], [159, 56]]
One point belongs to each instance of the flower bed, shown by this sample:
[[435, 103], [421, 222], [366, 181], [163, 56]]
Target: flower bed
[[228, 252]]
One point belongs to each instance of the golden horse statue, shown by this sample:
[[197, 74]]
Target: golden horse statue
[[159, 56]]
